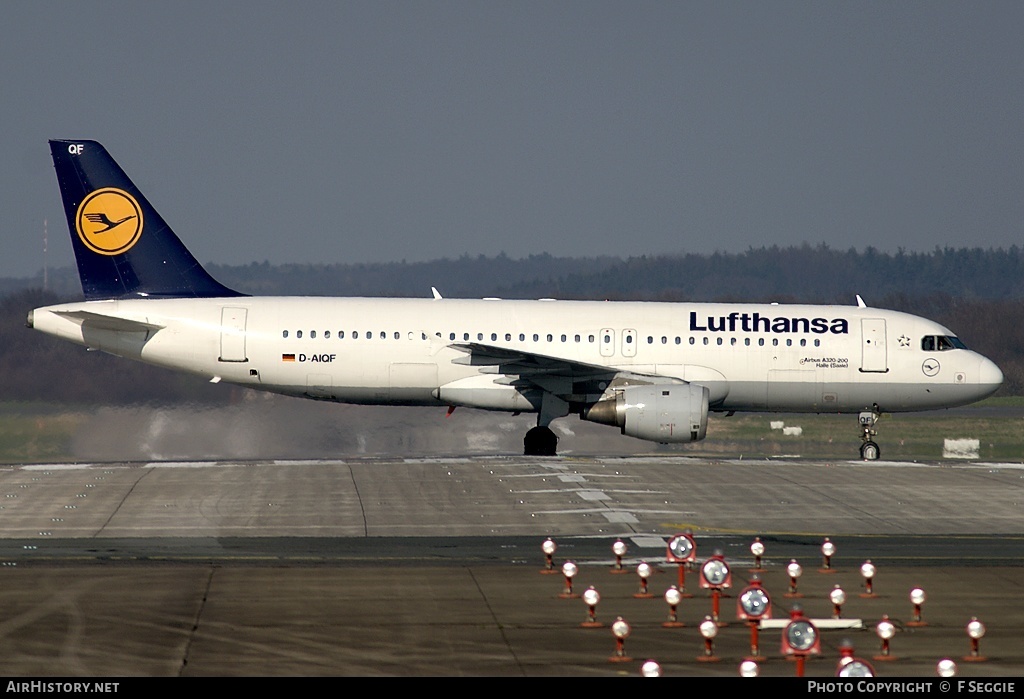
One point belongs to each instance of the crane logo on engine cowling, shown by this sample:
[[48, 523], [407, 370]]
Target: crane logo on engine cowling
[[109, 221]]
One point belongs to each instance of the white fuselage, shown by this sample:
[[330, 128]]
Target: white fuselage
[[751, 357]]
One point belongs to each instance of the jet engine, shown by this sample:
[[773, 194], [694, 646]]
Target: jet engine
[[666, 413]]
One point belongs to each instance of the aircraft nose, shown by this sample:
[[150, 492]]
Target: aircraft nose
[[989, 375]]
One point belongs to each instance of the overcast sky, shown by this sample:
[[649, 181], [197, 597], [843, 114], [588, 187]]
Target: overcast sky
[[377, 131]]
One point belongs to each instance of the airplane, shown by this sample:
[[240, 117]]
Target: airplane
[[654, 370]]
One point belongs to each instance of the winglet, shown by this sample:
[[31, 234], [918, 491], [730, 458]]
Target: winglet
[[435, 292], [860, 302]]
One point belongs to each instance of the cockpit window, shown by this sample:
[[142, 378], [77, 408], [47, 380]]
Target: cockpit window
[[941, 343]]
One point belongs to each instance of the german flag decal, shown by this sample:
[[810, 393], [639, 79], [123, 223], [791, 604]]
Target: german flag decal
[[287, 357]]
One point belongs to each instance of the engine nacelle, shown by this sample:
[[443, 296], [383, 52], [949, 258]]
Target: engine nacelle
[[667, 413]]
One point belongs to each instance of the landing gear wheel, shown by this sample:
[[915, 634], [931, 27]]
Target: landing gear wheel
[[540, 441], [869, 451]]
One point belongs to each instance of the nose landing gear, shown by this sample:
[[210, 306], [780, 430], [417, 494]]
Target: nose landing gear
[[869, 450]]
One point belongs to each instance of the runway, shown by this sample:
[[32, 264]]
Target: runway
[[433, 566]]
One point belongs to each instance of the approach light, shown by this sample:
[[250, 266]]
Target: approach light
[[885, 630], [975, 630], [569, 571], [619, 550], [715, 572], [867, 570], [757, 549], [549, 547], [620, 629], [644, 570], [709, 629], [838, 598], [946, 668], [851, 666], [794, 571], [917, 598], [753, 605], [856, 668], [673, 598], [591, 597], [682, 550], [650, 669], [800, 638], [828, 549], [748, 668], [715, 575]]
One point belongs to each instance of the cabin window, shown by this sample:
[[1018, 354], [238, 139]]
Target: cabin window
[[760, 342], [550, 337], [298, 333], [678, 340], [480, 336], [451, 336], [590, 339], [327, 334], [577, 338], [719, 342], [629, 339], [803, 342], [355, 334], [494, 337], [312, 334], [817, 343], [650, 340], [746, 341], [398, 335], [705, 341], [664, 340], [693, 340], [284, 334], [732, 341], [522, 337], [536, 337], [341, 334], [775, 342], [563, 338]]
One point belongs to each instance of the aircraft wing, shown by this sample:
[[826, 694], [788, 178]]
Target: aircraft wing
[[566, 378]]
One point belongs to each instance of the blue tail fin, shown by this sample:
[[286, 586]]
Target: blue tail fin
[[122, 246]]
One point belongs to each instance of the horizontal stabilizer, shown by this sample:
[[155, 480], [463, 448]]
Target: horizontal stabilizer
[[104, 322]]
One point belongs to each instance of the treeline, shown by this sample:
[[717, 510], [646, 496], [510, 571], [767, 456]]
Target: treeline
[[978, 294], [806, 273]]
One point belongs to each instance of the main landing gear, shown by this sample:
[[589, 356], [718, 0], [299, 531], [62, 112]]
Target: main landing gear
[[540, 441], [869, 450]]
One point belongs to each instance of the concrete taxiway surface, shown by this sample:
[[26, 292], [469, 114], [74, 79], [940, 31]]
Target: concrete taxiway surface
[[433, 567]]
